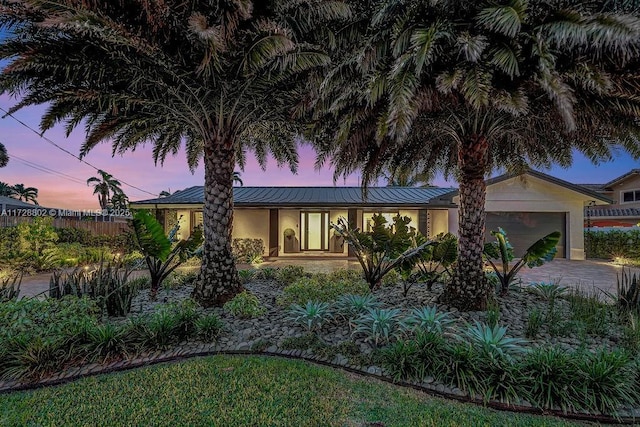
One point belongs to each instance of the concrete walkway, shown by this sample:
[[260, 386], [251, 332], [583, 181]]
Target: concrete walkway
[[585, 275]]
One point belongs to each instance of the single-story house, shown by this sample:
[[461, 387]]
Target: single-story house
[[527, 206]]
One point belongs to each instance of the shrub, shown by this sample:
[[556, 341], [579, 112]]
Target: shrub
[[208, 327], [391, 279], [321, 288], [245, 305], [428, 319], [266, 273], [10, 287], [352, 306], [431, 346], [493, 313], [379, 325], [491, 343], [400, 360], [312, 315], [245, 276], [289, 274], [434, 262], [548, 291], [180, 278], [458, 366], [550, 379], [246, 250], [32, 358], [589, 311], [612, 244], [106, 341], [534, 323], [628, 292]]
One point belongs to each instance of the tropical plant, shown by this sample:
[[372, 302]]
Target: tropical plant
[[383, 248], [491, 343], [235, 177], [6, 190], [535, 320], [208, 327], [543, 250], [245, 305], [219, 76], [26, 194], [435, 261], [320, 287], [351, 306], [379, 325], [119, 201], [428, 319], [4, 157], [288, 274], [548, 291], [312, 315], [406, 178], [10, 287], [105, 186], [628, 292], [400, 360], [474, 87]]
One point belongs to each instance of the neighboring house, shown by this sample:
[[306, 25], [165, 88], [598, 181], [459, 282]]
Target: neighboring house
[[528, 207], [624, 191]]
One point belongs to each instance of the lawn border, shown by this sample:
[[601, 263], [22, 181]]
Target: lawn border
[[130, 364]]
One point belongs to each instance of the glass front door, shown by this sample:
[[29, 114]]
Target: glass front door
[[315, 228]]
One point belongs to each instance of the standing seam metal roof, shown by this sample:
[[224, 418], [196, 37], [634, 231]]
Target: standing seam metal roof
[[315, 196]]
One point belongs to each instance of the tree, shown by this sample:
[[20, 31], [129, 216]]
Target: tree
[[473, 87], [4, 157], [236, 179], [220, 76], [406, 178], [26, 194], [6, 190], [104, 186], [120, 201]]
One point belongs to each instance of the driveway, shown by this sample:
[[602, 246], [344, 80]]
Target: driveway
[[580, 274]]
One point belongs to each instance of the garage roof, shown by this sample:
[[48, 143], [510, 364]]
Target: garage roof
[[316, 197]]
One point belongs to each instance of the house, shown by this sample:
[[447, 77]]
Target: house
[[624, 211], [528, 206]]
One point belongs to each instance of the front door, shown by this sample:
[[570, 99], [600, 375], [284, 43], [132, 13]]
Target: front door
[[315, 231]]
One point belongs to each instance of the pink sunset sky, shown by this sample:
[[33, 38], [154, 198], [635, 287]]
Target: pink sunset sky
[[137, 168]]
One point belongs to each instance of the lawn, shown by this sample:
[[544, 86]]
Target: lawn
[[243, 391]]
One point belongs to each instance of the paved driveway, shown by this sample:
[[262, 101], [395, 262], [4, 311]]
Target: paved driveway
[[583, 274]]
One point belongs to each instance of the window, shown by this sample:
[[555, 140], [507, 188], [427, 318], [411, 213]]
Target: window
[[630, 196], [368, 218]]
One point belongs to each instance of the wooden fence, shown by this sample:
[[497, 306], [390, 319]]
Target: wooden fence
[[95, 227]]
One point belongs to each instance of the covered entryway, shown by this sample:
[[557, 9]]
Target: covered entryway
[[525, 228], [315, 231]]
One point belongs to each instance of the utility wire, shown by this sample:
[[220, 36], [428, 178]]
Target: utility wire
[[47, 170], [6, 113]]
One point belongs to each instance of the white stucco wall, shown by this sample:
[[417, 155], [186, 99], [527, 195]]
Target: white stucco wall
[[438, 222]]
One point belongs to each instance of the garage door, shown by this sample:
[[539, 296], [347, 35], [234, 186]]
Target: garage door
[[524, 228]]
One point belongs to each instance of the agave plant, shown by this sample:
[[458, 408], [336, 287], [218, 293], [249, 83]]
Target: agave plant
[[492, 343], [628, 292], [428, 319], [379, 325], [548, 291], [351, 306], [312, 315]]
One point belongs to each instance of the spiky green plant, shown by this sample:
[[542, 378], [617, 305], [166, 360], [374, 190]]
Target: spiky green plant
[[312, 315]]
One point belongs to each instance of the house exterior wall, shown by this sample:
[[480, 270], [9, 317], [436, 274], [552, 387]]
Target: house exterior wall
[[252, 224], [532, 194], [184, 219], [629, 184], [438, 222], [288, 218]]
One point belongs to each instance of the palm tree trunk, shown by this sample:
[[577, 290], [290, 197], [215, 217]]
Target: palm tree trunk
[[218, 281], [469, 289]]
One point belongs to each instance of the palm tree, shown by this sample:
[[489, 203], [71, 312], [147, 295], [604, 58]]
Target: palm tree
[[4, 157], [236, 178], [105, 186], [473, 87], [220, 76], [26, 194], [406, 178], [6, 190], [119, 201]]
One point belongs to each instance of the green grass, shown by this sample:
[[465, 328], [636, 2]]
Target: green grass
[[243, 391]]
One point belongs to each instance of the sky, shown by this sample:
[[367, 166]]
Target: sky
[[61, 179]]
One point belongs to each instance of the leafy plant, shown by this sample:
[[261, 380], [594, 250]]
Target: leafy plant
[[428, 319], [493, 313], [247, 250], [289, 274], [400, 360], [10, 287], [588, 310], [535, 320], [383, 248], [628, 292], [245, 276], [245, 305], [266, 273], [550, 379], [631, 333], [435, 261], [32, 357], [351, 306], [321, 287], [106, 341], [543, 250], [161, 256], [431, 346], [312, 315], [208, 327], [491, 343], [379, 325], [458, 365], [548, 291]]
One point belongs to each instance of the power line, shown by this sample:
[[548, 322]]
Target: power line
[[6, 113], [47, 170]]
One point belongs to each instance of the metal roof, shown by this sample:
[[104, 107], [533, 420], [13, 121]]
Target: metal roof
[[606, 212], [315, 197], [11, 203]]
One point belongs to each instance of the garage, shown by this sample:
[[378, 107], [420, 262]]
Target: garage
[[524, 228]]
